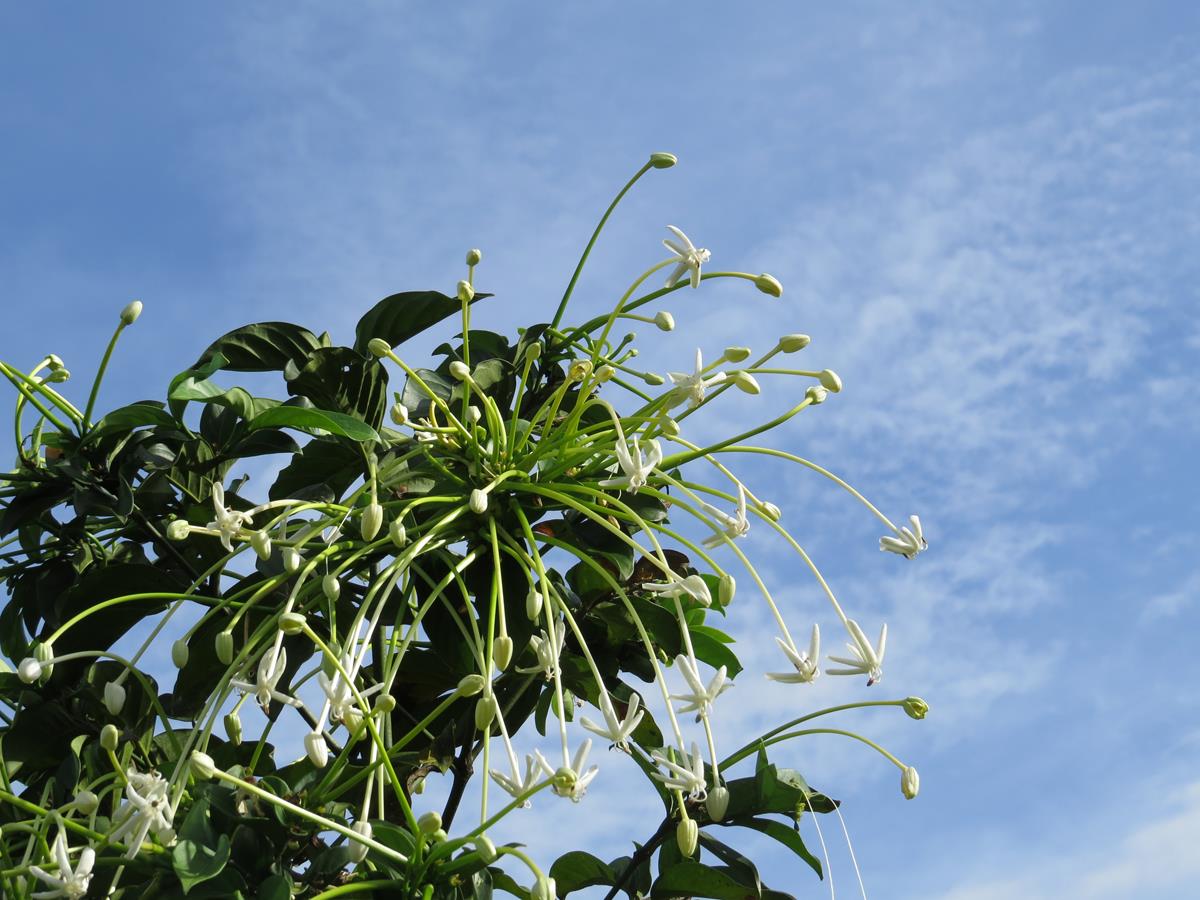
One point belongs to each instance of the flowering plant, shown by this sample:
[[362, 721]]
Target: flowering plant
[[521, 538]]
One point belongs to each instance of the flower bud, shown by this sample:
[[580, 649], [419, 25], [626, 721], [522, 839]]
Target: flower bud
[[744, 381], [29, 670], [687, 835], [291, 623], [233, 728], [486, 849], [534, 352], [726, 587], [717, 803], [470, 685], [533, 603], [653, 379], [829, 380], [418, 785], [203, 764], [224, 647], [439, 836], [478, 502], [790, 343], [502, 651], [663, 160], [605, 373], [178, 530], [180, 653], [358, 849], [580, 369], [372, 521], [59, 375], [399, 413], [737, 354], [474, 257], [109, 737], [114, 698], [460, 371], [910, 783], [331, 587], [397, 533], [466, 293], [291, 560], [816, 395], [384, 704], [317, 749], [664, 320], [769, 284], [485, 711], [474, 414], [429, 822], [130, 313], [379, 347], [261, 542], [546, 888], [669, 426], [916, 707], [86, 802], [771, 511]]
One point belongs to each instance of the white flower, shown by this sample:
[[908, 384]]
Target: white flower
[[908, 541], [693, 586], [692, 387], [806, 664], [910, 783], [689, 257], [228, 521], [516, 785], [547, 651], [616, 729], [570, 781], [68, 882], [342, 705], [146, 809], [867, 660], [636, 467], [270, 670], [701, 698], [687, 777], [735, 526]]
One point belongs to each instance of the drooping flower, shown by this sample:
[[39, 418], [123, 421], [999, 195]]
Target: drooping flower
[[570, 781], [635, 467], [145, 810], [806, 664], [908, 542], [547, 650], [734, 526], [228, 521], [270, 670], [692, 586], [342, 705], [866, 660], [701, 698], [68, 882], [616, 729], [691, 388], [690, 258], [518, 785], [687, 777]]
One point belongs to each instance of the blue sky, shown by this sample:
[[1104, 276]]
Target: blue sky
[[984, 214]]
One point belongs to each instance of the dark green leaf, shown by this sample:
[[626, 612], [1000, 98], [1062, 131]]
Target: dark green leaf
[[299, 417], [576, 870], [264, 347], [399, 317], [693, 879], [200, 853], [785, 834], [337, 378]]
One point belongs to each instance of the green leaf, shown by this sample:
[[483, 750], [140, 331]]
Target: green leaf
[[299, 417], [339, 379], [711, 650], [200, 853], [401, 316], [135, 415], [576, 870], [745, 870], [785, 834], [693, 879], [264, 347], [277, 887], [323, 469]]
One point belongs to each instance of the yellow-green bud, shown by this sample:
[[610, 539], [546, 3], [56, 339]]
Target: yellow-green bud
[[736, 354], [233, 728], [663, 160], [816, 395], [664, 320], [916, 707], [790, 343], [533, 603], [418, 785], [399, 413], [478, 501], [771, 511], [653, 379], [687, 835], [179, 653], [910, 783], [466, 293], [470, 685], [769, 284], [109, 737], [829, 380], [717, 803], [605, 373], [398, 533], [114, 698], [203, 764], [502, 651], [224, 644], [474, 414], [291, 560], [669, 426], [726, 588], [316, 749], [357, 849], [379, 347], [460, 371], [485, 711], [178, 530], [292, 622], [86, 802], [130, 313], [580, 369], [534, 351], [486, 849], [331, 587], [59, 375], [372, 521], [429, 822], [261, 542], [744, 381], [474, 257]]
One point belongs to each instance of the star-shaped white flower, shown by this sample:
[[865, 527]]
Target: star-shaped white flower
[[806, 664], [228, 521], [635, 467], [734, 526], [342, 705], [692, 586], [866, 660], [691, 387], [701, 698], [146, 809], [548, 651], [909, 540], [687, 777], [616, 729], [690, 258], [570, 781], [270, 670], [518, 785], [67, 882]]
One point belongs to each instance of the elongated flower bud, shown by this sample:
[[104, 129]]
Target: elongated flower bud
[[130, 313], [605, 373], [910, 783], [717, 802], [744, 381], [485, 711], [261, 542], [829, 380], [86, 802], [769, 284], [653, 379], [233, 728], [292, 622], [546, 887], [178, 530], [460, 371], [372, 521], [664, 320], [737, 354], [180, 653], [790, 343], [502, 651], [534, 351], [533, 603], [110, 737], [223, 643], [29, 670], [726, 587], [399, 413], [474, 256], [470, 685], [486, 849], [478, 502], [317, 749], [291, 560], [663, 160], [687, 834], [331, 587], [916, 707], [771, 511], [466, 293], [379, 347], [202, 764], [669, 426], [114, 698], [358, 849]]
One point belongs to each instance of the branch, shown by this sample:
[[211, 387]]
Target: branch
[[641, 856]]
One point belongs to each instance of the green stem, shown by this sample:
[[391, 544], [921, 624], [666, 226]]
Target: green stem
[[86, 424]]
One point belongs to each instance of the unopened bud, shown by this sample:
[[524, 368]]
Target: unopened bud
[[771, 511], [736, 354], [669, 426], [233, 728], [816, 395], [130, 313], [664, 320], [291, 560], [180, 653], [429, 822], [502, 651], [379, 347], [384, 704], [744, 381], [331, 587], [916, 707], [829, 380], [358, 849], [769, 284], [261, 542], [533, 603], [399, 413], [317, 749], [292, 622], [460, 371], [203, 764], [663, 160], [653, 379], [486, 849], [86, 802], [418, 785], [398, 533], [687, 834], [478, 501], [372, 521], [474, 414], [485, 711], [109, 737], [605, 373], [790, 343], [726, 588], [114, 698], [910, 783], [470, 685], [717, 802], [59, 375], [178, 530], [474, 257], [466, 293], [534, 352], [224, 646], [29, 670], [580, 369]]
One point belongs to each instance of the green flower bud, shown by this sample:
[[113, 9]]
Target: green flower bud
[[737, 354], [533, 603], [726, 587], [291, 560], [331, 587], [316, 749], [418, 785], [478, 502], [466, 293], [180, 653], [816, 395], [233, 728], [460, 371], [605, 373], [357, 849], [86, 802], [687, 835], [485, 711], [379, 347], [474, 414], [114, 698], [59, 375], [771, 511], [534, 352], [224, 645], [470, 685], [397, 533], [664, 320], [292, 622], [663, 160], [261, 542], [744, 381], [29, 670], [829, 380], [669, 426], [202, 764], [502, 651], [178, 530], [474, 257], [790, 343], [130, 313], [580, 369], [371, 522], [384, 704], [653, 379], [399, 413], [769, 284], [717, 803], [429, 822], [109, 737], [916, 707], [486, 849]]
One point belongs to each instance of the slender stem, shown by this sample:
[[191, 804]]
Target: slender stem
[[87, 411]]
